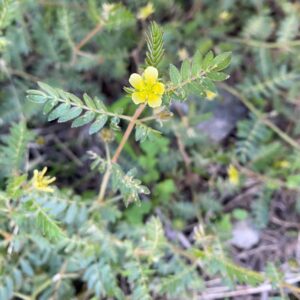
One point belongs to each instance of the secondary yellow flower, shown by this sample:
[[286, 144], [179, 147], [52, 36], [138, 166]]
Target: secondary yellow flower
[[224, 15], [41, 182], [146, 11], [233, 174], [210, 95], [147, 87], [283, 164], [183, 54]]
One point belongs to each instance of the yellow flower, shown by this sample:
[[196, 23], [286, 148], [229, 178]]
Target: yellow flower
[[224, 15], [183, 54], [283, 164], [147, 87], [41, 182], [233, 174], [210, 95], [145, 11]]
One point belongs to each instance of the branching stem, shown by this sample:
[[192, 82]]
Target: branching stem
[[268, 45], [128, 132], [89, 36], [125, 137]]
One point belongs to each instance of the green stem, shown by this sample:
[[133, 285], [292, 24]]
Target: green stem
[[22, 296], [171, 89], [48, 282], [106, 175], [125, 137], [260, 116], [101, 112], [268, 45]]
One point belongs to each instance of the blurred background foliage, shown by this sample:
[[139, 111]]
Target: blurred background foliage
[[204, 226]]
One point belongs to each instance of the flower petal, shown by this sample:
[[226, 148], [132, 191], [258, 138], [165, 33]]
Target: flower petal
[[154, 100], [150, 75], [49, 180], [46, 189], [210, 95], [159, 88], [138, 97], [136, 81], [44, 171]]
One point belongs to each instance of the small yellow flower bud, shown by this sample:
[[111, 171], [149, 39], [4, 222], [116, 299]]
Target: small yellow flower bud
[[210, 95], [233, 175], [183, 54], [224, 15], [145, 11], [165, 115], [283, 164], [107, 135], [40, 141]]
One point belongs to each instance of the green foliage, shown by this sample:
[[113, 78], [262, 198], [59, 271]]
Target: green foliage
[[64, 107], [251, 135], [288, 28], [155, 45], [261, 209], [198, 76], [13, 149], [99, 277], [135, 214], [217, 262], [14, 186], [154, 239], [7, 12], [183, 279], [144, 132], [164, 190], [150, 161], [259, 27], [270, 86], [138, 277], [48, 227], [71, 243], [129, 187]]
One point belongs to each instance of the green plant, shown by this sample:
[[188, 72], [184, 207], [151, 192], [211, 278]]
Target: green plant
[[153, 216]]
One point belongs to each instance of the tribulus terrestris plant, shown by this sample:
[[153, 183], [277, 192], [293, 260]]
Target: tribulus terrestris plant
[[59, 244]]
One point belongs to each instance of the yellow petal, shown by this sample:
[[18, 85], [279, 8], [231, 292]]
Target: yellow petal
[[46, 189], [154, 100], [233, 175], [138, 97], [210, 95], [150, 75], [136, 81], [49, 180], [159, 88], [146, 11], [43, 172]]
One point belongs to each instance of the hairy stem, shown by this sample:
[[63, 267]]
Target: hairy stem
[[106, 176], [128, 132], [268, 45], [89, 36], [125, 137]]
